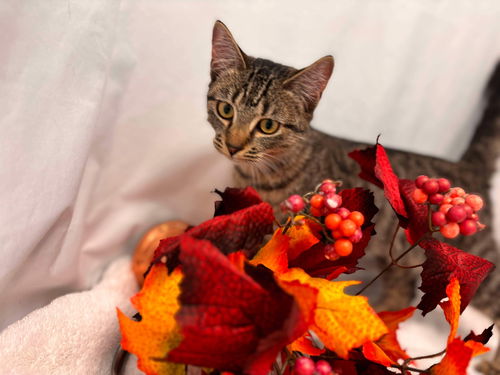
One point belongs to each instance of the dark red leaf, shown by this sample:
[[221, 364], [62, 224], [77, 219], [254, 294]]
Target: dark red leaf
[[418, 223], [442, 264], [234, 199], [229, 319], [243, 229], [483, 338], [313, 261], [376, 168]]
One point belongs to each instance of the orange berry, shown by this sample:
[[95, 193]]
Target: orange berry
[[316, 211], [332, 221], [343, 247], [447, 200], [317, 201], [450, 230], [457, 201], [419, 196], [357, 217], [337, 234], [457, 192], [475, 201], [347, 227], [445, 207]]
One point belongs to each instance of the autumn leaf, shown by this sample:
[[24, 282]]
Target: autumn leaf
[[389, 342], [483, 337], [305, 345], [374, 353], [157, 332], [418, 223], [376, 168], [231, 319], [234, 199], [442, 264], [455, 361], [274, 254], [243, 229], [451, 307], [342, 322]]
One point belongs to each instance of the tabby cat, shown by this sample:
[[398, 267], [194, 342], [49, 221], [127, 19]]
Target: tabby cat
[[261, 113]]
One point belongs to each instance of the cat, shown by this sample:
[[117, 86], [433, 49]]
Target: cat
[[261, 113]]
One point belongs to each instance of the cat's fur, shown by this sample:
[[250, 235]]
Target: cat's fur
[[296, 157]]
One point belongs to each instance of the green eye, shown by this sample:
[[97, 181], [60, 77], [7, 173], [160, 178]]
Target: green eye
[[225, 110], [268, 126]]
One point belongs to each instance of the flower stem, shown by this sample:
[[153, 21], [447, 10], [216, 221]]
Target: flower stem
[[390, 265]]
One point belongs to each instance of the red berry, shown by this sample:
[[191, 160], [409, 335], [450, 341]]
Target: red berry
[[468, 210], [330, 252], [420, 180], [445, 207], [444, 185], [456, 214], [357, 217], [431, 186], [475, 201], [439, 219], [357, 236], [333, 201], [347, 227], [327, 187], [474, 217], [436, 198], [468, 227], [304, 366], [332, 221], [450, 230], [295, 203], [419, 196], [323, 368], [343, 247], [318, 212], [447, 199], [343, 212], [317, 201]]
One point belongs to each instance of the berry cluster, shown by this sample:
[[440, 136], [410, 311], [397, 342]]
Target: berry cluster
[[306, 366], [456, 211], [326, 205]]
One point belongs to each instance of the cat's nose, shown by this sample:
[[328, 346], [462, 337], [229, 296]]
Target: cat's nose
[[232, 149]]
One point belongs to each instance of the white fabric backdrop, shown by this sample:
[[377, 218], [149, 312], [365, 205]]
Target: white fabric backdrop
[[103, 111]]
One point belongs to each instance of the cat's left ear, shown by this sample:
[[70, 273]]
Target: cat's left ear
[[226, 54], [311, 81]]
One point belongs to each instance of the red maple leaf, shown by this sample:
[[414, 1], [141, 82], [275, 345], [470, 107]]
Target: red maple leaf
[[418, 223], [234, 199], [442, 264], [376, 168], [313, 260], [483, 338], [233, 319], [242, 227]]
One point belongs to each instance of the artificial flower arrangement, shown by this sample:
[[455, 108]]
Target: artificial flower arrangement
[[217, 300]]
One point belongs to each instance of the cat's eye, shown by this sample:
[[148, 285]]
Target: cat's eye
[[225, 110], [268, 126]]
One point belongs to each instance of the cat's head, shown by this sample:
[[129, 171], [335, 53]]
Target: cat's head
[[260, 110]]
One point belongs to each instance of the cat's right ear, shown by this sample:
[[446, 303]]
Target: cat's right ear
[[225, 52], [310, 82]]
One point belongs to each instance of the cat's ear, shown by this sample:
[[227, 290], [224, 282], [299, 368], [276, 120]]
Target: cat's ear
[[311, 81], [225, 52]]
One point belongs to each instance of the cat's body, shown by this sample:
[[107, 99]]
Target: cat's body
[[261, 113]]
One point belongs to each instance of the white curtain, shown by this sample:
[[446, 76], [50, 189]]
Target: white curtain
[[103, 121]]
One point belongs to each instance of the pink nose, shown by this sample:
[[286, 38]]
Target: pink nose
[[232, 149]]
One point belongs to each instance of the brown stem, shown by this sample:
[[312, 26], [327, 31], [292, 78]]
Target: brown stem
[[406, 368], [390, 265], [392, 243], [408, 267]]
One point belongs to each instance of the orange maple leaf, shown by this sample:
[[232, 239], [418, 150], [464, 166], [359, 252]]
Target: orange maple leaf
[[458, 352], [157, 333], [342, 322]]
